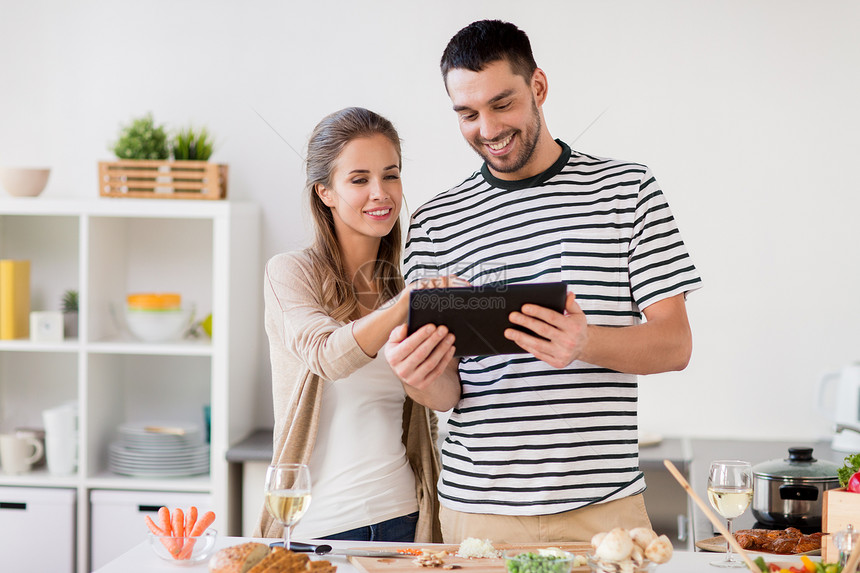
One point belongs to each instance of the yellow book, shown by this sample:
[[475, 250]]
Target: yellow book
[[14, 299]]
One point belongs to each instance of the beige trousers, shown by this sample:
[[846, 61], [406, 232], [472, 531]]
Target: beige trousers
[[577, 525]]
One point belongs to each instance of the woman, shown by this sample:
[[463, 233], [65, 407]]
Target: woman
[[338, 406]]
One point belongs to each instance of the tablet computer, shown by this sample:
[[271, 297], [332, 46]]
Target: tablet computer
[[478, 315]]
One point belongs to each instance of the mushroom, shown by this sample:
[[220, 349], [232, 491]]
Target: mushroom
[[659, 550], [642, 536], [598, 537], [616, 546], [637, 555]]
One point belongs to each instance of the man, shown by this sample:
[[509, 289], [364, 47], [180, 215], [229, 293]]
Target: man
[[542, 446]]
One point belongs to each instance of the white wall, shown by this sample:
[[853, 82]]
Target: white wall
[[747, 112]]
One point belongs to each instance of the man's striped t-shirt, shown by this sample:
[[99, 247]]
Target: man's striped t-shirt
[[527, 438]]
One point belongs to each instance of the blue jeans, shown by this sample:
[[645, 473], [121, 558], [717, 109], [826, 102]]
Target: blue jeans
[[400, 530]]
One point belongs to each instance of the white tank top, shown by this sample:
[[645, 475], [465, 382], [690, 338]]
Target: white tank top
[[359, 471]]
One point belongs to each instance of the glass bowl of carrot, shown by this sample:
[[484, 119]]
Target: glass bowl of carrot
[[181, 538]]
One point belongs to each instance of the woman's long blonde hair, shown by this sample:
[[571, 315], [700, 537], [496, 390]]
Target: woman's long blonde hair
[[326, 143]]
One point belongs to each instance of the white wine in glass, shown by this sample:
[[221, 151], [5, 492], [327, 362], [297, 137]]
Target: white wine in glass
[[730, 491], [288, 495]]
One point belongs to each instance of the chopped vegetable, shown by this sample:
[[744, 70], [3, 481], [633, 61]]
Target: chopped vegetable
[[410, 551], [474, 547], [852, 466], [807, 566], [536, 563]]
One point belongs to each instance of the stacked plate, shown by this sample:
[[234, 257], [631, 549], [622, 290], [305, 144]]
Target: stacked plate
[[159, 450]]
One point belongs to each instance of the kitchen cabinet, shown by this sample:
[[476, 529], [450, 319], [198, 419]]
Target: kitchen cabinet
[[208, 251], [26, 515]]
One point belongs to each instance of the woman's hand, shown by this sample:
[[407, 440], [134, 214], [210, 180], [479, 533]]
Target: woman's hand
[[420, 358], [399, 305], [425, 364]]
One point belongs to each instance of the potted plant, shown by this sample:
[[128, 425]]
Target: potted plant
[[191, 144], [69, 306], [143, 168], [142, 139]]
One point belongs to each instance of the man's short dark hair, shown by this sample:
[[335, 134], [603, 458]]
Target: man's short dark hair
[[486, 41]]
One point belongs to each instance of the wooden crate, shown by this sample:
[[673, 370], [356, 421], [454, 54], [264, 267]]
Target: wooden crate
[[841, 507], [162, 179]]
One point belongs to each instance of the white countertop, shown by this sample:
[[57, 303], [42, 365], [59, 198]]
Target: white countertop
[[141, 559]]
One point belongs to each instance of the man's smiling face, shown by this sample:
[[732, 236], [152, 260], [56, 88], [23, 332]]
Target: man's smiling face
[[498, 117]]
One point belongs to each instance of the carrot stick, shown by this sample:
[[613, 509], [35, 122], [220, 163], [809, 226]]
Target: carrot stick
[[164, 527], [190, 520], [178, 531], [178, 523], [198, 529], [164, 520], [187, 549], [152, 527], [202, 523]]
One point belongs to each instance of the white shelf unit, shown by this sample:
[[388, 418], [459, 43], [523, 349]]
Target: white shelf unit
[[208, 251]]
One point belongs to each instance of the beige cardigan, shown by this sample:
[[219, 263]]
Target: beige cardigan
[[307, 346]]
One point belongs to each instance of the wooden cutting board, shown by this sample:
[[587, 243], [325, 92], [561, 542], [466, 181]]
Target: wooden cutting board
[[466, 565]]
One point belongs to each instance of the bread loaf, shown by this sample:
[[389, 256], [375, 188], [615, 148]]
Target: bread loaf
[[238, 558], [254, 557], [276, 555]]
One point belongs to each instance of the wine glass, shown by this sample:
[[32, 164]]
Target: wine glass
[[288, 494], [730, 491]]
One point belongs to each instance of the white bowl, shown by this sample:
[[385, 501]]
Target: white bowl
[[157, 325], [23, 181]]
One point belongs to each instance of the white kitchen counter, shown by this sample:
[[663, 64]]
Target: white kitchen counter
[[141, 559]]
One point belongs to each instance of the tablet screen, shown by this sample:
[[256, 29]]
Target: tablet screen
[[478, 315]]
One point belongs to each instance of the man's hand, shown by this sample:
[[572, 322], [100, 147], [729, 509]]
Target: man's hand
[[663, 343], [566, 334]]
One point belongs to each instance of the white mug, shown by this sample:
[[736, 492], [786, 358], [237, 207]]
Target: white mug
[[61, 421], [61, 439], [62, 454], [19, 452]]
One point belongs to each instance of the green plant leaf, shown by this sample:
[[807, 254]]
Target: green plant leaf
[[70, 301], [192, 145], [142, 139]]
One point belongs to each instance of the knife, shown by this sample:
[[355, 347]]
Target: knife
[[329, 550]]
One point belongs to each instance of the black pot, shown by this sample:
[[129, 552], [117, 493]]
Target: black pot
[[790, 492]]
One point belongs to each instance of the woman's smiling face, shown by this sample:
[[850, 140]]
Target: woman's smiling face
[[366, 192]]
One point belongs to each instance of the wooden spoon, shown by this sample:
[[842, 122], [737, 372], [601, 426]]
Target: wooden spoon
[[718, 523]]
